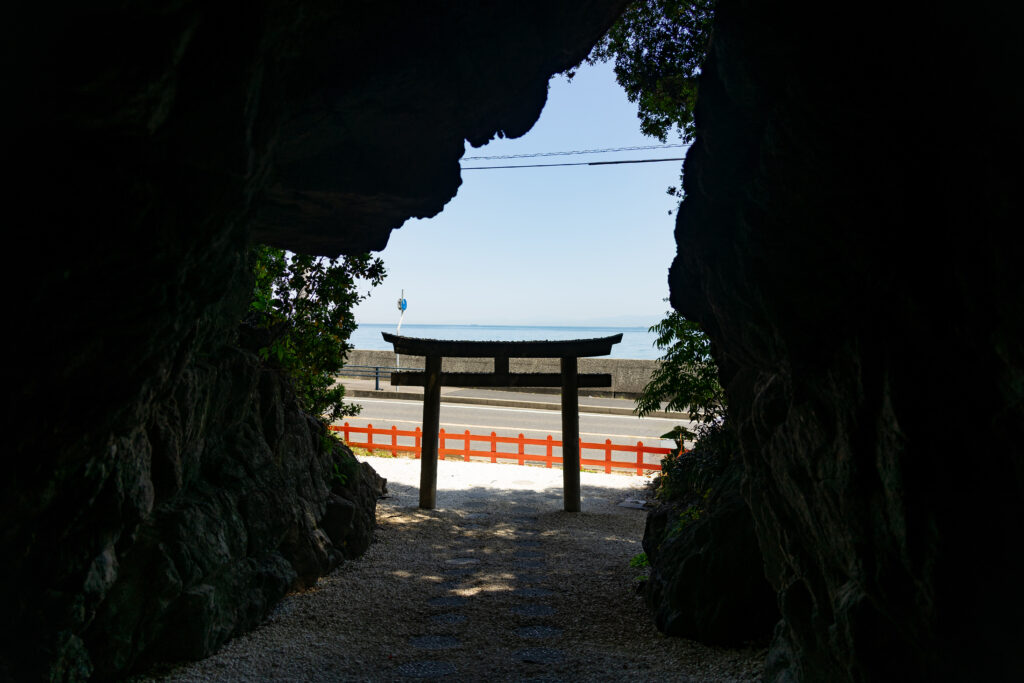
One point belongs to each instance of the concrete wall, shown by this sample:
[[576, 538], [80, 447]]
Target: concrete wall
[[629, 376]]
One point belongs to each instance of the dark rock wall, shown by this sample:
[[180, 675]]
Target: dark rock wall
[[146, 145], [706, 581], [208, 513], [847, 241], [245, 506]]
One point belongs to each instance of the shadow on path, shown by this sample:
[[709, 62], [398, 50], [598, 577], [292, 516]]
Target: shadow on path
[[497, 584]]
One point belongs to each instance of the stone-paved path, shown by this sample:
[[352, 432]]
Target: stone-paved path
[[529, 619], [497, 584]]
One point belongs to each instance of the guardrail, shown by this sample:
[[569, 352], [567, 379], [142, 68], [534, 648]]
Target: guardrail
[[494, 455], [374, 371]]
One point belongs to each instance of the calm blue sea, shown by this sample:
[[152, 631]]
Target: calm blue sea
[[636, 342]]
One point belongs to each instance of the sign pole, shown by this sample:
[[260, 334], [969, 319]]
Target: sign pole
[[402, 305]]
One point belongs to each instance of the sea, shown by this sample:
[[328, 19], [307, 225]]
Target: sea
[[637, 342]]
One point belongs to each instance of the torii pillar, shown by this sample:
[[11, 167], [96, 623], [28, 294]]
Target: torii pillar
[[570, 435], [569, 379]]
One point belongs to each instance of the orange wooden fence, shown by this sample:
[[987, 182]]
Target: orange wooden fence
[[466, 451]]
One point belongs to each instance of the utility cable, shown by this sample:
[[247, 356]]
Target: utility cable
[[575, 163], [573, 152]]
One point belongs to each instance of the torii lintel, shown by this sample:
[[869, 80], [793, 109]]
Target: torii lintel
[[432, 379]]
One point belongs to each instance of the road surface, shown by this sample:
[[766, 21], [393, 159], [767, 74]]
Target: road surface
[[482, 420]]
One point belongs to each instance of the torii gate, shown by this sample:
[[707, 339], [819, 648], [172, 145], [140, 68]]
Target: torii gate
[[432, 379]]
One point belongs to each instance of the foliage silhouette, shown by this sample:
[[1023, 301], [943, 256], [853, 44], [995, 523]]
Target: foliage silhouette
[[304, 303], [659, 48], [687, 377]]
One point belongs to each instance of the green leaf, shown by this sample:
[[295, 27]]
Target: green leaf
[[306, 303]]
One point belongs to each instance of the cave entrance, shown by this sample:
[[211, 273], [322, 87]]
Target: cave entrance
[[569, 379]]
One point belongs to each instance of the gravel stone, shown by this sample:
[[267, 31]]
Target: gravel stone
[[538, 632], [541, 655], [434, 642], [448, 601], [529, 578], [532, 610], [356, 624], [453, 573], [462, 561], [533, 592], [528, 564], [426, 669], [448, 618]]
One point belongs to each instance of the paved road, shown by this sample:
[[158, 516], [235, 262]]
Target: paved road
[[534, 424]]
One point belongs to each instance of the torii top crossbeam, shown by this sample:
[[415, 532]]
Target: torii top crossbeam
[[432, 379], [501, 352], [560, 348]]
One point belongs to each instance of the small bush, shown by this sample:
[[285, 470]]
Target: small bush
[[303, 305], [689, 475], [639, 561]]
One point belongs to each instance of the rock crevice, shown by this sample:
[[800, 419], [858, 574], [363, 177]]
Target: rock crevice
[[212, 512], [160, 477], [862, 299]]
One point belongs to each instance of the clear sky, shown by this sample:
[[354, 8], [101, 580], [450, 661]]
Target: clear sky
[[577, 245]]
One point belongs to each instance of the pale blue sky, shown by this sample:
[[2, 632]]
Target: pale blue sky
[[574, 245]]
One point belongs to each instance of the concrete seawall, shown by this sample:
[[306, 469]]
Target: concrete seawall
[[629, 376]]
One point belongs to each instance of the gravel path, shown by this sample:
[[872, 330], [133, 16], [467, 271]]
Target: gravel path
[[497, 584]]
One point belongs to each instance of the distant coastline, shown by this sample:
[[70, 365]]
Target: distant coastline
[[637, 342]]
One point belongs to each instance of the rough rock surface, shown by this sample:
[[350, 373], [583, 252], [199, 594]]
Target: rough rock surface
[[846, 242], [222, 502], [449, 591], [149, 143], [707, 575]]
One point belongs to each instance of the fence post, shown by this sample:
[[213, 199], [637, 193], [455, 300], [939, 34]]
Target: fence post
[[347, 439], [607, 456], [466, 455], [394, 439], [550, 443], [639, 458], [521, 449], [418, 443], [440, 444], [369, 438], [376, 377], [494, 447]]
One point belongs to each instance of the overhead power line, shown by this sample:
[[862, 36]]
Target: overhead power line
[[573, 163], [573, 152]]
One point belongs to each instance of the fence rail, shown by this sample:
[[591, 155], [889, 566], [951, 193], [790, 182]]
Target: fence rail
[[377, 372], [493, 454]]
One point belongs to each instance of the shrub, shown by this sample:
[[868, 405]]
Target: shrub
[[304, 305], [686, 378]]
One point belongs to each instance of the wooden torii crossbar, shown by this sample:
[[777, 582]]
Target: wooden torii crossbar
[[569, 379]]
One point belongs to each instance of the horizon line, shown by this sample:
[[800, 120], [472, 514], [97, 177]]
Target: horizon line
[[577, 324]]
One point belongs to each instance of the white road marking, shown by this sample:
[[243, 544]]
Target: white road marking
[[518, 410], [514, 429]]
